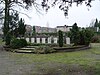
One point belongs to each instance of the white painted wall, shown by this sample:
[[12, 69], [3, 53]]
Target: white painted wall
[[43, 40], [38, 40], [32, 40], [67, 40], [55, 40], [27, 39], [49, 40]]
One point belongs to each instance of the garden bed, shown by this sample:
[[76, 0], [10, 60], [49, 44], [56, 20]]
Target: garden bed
[[71, 49], [47, 49]]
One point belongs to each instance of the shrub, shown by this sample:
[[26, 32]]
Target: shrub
[[53, 45], [44, 50], [85, 36], [81, 37], [18, 43], [41, 44], [95, 39], [24, 42]]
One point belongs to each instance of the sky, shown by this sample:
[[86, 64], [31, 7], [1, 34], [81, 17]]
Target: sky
[[55, 17]]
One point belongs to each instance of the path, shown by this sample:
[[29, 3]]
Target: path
[[9, 66]]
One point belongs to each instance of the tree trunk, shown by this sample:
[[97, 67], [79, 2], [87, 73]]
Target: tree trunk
[[6, 23]]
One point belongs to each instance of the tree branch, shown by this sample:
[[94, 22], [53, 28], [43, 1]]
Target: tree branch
[[19, 12]]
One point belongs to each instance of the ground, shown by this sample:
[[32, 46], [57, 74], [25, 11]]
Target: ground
[[86, 62]]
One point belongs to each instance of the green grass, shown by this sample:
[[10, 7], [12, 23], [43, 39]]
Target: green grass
[[87, 60]]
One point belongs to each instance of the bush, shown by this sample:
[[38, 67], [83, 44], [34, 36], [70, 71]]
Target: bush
[[24, 42], [18, 43], [95, 39], [53, 45], [44, 50]]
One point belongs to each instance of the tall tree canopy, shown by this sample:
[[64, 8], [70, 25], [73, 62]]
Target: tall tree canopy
[[62, 4]]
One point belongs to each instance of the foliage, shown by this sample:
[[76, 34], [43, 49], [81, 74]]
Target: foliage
[[16, 27], [97, 23], [18, 43], [8, 39], [24, 42], [48, 34], [53, 45], [60, 39], [46, 4], [21, 27], [34, 31], [41, 44], [62, 4], [95, 39], [85, 36], [82, 36], [44, 50], [13, 24], [74, 35]]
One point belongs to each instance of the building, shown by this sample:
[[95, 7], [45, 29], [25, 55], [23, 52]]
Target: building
[[28, 30], [63, 28], [40, 29]]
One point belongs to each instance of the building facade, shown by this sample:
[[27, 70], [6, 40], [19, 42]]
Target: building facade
[[40, 29], [64, 28], [28, 30]]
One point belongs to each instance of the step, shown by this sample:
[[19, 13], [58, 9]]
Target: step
[[29, 46], [25, 48], [24, 51]]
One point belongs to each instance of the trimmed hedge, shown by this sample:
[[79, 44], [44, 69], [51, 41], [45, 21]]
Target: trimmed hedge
[[18, 43]]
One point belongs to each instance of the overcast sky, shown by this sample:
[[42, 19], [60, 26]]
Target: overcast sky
[[55, 17]]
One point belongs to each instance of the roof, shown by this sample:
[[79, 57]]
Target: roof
[[63, 26]]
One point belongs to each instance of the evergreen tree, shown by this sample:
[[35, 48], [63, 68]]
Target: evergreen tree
[[63, 5], [85, 36], [96, 23], [75, 34], [21, 27], [34, 31], [13, 24], [60, 40]]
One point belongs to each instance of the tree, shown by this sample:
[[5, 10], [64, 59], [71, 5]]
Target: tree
[[60, 40], [96, 23], [46, 4], [75, 34], [34, 31], [8, 7], [13, 23], [62, 4], [21, 27], [16, 26], [85, 36]]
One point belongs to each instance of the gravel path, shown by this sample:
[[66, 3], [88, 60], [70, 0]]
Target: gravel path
[[10, 66]]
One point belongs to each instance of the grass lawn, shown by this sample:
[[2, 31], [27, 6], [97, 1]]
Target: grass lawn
[[86, 62]]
